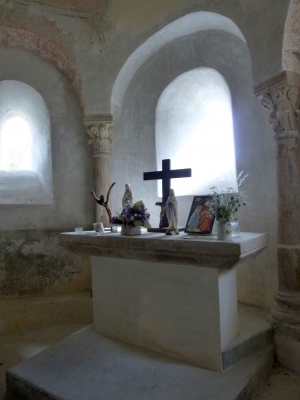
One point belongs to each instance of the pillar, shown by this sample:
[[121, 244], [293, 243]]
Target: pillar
[[281, 96], [100, 130]]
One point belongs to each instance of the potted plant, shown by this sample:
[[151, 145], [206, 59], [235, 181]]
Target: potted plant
[[132, 218], [224, 205]]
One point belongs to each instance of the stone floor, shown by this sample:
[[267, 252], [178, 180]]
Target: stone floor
[[282, 384], [17, 347], [14, 348]]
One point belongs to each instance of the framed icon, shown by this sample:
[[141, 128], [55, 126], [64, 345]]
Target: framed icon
[[200, 219]]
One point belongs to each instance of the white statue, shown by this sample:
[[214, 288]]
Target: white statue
[[172, 215], [127, 199]]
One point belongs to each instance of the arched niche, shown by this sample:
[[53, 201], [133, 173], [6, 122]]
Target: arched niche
[[33, 184], [71, 156], [187, 25], [216, 44]]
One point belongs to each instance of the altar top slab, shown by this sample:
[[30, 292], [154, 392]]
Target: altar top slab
[[182, 249]]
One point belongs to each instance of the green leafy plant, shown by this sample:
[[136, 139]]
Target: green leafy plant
[[225, 204]]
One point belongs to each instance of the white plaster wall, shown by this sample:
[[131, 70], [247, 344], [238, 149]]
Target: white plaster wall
[[71, 154]]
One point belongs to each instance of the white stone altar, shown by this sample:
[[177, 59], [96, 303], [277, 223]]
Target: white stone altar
[[175, 295]]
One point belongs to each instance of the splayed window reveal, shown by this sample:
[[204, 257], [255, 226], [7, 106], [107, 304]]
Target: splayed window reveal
[[16, 144], [194, 129]]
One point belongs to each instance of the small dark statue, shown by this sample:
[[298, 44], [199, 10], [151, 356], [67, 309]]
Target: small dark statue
[[104, 203]]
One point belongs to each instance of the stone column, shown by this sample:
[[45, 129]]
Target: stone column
[[100, 130], [281, 96]]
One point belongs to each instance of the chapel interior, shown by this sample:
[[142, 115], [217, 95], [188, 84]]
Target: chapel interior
[[103, 91]]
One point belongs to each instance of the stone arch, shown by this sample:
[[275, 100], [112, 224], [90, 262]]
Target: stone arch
[[187, 25], [201, 39], [15, 37], [291, 39]]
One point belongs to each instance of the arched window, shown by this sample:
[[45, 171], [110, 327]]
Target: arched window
[[16, 144], [25, 146], [194, 129]]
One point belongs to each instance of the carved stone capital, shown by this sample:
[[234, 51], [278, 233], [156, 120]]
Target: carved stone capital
[[100, 130], [281, 96]]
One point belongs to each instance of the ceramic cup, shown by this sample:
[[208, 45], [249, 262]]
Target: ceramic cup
[[98, 227]]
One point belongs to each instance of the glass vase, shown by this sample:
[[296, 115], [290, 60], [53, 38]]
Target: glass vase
[[235, 229]]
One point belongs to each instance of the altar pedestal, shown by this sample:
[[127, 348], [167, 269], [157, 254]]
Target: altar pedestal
[[184, 311], [172, 295]]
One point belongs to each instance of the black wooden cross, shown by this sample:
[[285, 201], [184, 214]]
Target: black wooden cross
[[166, 175]]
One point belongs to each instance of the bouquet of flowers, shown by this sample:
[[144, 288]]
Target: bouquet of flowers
[[224, 204], [135, 215]]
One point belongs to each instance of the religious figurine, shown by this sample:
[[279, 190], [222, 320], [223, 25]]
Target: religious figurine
[[163, 220], [127, 199], [165, 175], [172, 215]]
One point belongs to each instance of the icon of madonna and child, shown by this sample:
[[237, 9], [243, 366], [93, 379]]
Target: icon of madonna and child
[[200, 219]]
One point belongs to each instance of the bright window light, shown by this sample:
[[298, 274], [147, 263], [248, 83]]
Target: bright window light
[[194, 129], [16, 144]]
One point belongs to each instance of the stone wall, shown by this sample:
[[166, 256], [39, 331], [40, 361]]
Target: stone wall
[[31, 261]]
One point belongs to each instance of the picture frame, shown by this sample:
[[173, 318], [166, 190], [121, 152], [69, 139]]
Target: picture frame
[[200, 221]]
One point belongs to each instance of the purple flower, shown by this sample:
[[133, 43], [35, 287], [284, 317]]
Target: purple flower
[[114, 220], [130, 214]]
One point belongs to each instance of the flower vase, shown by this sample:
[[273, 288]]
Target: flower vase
[[115, 228], [222, 230], [130, 230]]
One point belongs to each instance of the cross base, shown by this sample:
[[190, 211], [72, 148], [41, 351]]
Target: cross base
[[164, 230]]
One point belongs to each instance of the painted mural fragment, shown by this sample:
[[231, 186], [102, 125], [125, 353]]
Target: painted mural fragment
[[33, 263]]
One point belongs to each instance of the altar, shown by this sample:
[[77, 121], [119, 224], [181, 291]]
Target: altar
[[176, 295]]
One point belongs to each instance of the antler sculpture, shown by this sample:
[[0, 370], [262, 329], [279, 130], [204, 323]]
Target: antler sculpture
[[104, 203]]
